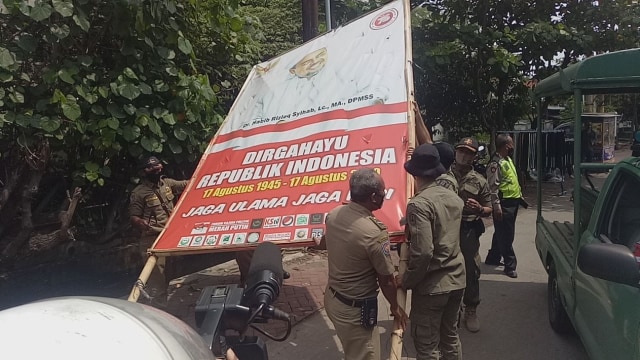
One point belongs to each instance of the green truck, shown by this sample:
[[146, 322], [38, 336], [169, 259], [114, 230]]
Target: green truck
[[593, 263]]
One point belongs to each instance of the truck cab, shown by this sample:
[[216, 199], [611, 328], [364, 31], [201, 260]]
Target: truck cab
[[593, 262]]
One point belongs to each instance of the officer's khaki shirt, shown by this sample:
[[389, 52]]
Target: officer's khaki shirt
[[471, 186], [449, 181], [145, 203], [358, 250], [435, 264]]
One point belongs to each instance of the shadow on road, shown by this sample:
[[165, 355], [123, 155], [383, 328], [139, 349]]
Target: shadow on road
[[514, 325]]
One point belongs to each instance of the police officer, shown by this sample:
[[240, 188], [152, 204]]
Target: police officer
[[506, 197], [150, 206], [435, 272], [474, 191], [357, 246]]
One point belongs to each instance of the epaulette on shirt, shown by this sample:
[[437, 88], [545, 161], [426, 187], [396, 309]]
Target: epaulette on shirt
[[378, 223]]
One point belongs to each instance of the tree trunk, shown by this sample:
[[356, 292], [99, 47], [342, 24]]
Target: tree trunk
[[9, 198], [10, 185], [502, 87], [37, 161], [42, 242], [28, 194]]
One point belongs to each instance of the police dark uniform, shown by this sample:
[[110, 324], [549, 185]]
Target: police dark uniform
[[358, 250], [435, 273], [506, 194], [472, 185]]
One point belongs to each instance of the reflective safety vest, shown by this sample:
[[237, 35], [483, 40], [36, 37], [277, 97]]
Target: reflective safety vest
[[509, 186]]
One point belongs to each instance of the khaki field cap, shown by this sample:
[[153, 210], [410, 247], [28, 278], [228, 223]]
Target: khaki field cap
[[469, 143], [425, 162]]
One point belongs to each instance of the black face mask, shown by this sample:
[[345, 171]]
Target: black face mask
[[510, 152], [154, 177]]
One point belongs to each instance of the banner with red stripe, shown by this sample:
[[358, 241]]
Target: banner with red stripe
[[300, 125]]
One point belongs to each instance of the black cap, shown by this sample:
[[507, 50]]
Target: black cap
[[447, 153], [150, 161], [425, 162], [469, 143]]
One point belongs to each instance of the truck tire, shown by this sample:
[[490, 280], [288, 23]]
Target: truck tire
[[558, 317]]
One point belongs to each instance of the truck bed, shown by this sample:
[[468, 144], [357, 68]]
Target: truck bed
[[563, 241]]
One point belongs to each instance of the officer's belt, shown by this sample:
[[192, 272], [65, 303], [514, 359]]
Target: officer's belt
[[345, 300], [469, 223]]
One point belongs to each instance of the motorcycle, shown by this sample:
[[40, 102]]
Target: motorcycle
[[480, 163]]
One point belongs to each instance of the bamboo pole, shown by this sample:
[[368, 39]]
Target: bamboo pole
[[143, 278], [398, 332]]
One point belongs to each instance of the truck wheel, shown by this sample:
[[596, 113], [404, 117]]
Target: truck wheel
[[558, 317]]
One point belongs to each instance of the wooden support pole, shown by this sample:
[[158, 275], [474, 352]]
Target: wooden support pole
[[398, 333], [142, 279]]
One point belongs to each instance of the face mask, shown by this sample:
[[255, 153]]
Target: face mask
[[380, 203], [379, 200], [510, 152], [154, 177], [464, 158]]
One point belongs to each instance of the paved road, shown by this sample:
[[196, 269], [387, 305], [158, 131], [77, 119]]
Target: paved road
[[513, 312]]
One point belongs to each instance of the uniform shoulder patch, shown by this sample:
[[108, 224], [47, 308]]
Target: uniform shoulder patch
[[386, 248], [446, 183], [383, 238], [378, 223]]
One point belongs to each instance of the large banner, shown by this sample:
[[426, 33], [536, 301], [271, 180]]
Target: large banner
[[300, 125]]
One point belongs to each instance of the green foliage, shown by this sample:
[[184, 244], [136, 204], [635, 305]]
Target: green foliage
[[473, 58], [107, 81], [280, 24]]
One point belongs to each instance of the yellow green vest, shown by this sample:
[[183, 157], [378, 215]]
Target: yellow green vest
[[509, 186]]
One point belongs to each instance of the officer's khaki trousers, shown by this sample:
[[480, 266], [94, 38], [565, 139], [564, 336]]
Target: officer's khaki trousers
[[434, 325], [157, 284], [358, 343]]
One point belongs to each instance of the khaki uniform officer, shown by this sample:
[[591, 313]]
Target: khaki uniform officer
[[447, 156], [359, 263], [475, 193], [435, 272], [150, 207]]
